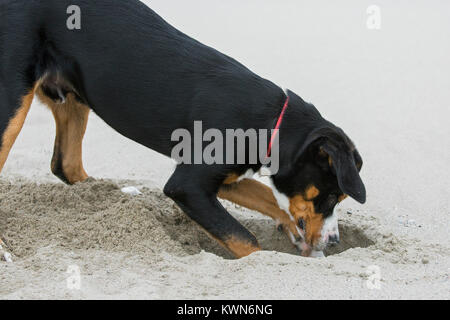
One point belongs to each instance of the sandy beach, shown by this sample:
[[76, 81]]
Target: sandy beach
[[387, 88]]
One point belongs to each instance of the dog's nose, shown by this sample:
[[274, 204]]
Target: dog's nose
[[333, 239]]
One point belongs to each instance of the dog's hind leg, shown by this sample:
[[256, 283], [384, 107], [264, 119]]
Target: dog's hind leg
[[71, 119], [13, 111], [12, 119]]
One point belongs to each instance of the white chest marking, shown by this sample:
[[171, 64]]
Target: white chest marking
[[282, 199]]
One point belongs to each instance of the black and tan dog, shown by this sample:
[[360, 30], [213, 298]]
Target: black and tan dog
[[146, 79]]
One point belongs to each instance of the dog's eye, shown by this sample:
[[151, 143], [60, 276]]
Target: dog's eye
[[301, 224]]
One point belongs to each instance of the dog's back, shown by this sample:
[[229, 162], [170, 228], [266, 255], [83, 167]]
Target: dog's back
[[172, 76]]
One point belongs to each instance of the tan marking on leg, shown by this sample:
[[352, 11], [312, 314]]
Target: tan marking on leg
[[342, 198], [239, 248], [231, 178], [14, 127], [256, 196], [71, 120]]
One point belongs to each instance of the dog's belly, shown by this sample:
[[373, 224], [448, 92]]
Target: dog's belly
[[144, 129]]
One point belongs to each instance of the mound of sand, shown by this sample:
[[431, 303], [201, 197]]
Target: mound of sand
[[94, 215]]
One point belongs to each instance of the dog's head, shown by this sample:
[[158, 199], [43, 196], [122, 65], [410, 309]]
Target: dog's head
[[323, 172]]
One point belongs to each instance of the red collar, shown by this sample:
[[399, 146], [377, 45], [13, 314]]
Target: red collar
[[277, 127]]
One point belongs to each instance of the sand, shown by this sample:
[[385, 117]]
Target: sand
[[145, 247], [388, 89]]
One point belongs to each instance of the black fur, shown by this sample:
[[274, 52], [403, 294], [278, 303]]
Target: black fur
[[146, 79]]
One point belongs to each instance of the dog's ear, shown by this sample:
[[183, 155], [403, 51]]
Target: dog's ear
[[347, 171], [345, 162]]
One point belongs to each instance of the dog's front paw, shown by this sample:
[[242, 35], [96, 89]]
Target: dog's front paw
[[296, 236]]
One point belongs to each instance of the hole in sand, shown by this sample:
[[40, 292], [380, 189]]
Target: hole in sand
[[350, 237], [273, 240]]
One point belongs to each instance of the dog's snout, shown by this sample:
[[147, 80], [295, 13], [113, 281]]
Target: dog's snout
[[333, 239]]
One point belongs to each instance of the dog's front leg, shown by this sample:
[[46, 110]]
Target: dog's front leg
[[256, 196], [190, 189]]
